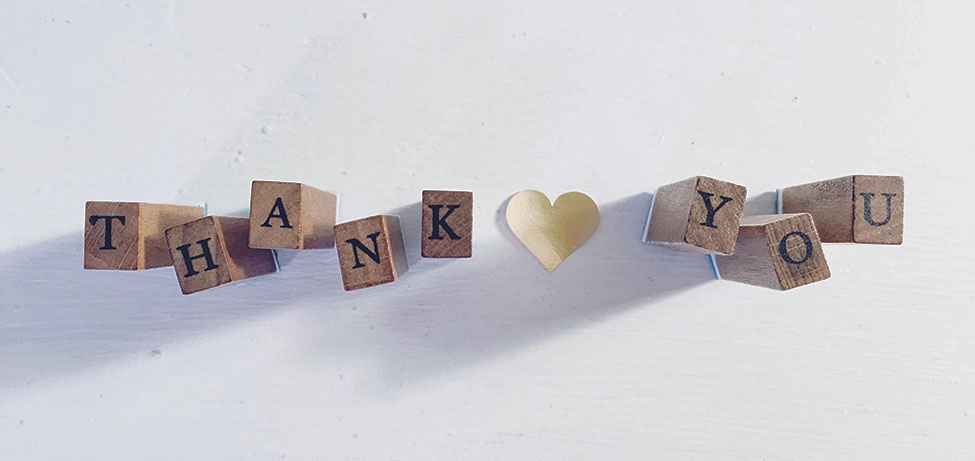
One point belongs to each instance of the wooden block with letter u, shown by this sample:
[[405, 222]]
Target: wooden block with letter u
[[780, 251], [213, 251], [698, 215], [371, 251], [291, 215], [131, 235], [859, 209]]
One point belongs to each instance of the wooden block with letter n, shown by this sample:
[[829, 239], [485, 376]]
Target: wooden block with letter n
[[213, 251], [780, 251], [371, 251], [291, 215], [448, 219], [860, 209], [131, 235], [698, 214]]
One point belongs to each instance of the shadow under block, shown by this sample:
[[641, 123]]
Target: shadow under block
[[858, 209], [131, 235], [698, 214], [448, 221], [213, 251], [291, 215], [780, 251], [371, 251]]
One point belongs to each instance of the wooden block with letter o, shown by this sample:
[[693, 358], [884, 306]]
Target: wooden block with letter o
[[131, 235], [780, 251], [371, 251], [860, 209], [213, 251], [291, 215], [448, 219], [698, 214]]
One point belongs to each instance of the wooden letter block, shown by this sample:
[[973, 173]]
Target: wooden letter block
[[860, 209], [371, 251], [698, 214], [131, 235], [213, 251], [448, 219], [291, 215], [780, 251]]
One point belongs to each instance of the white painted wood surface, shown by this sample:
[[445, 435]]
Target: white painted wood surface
[[626, 351]]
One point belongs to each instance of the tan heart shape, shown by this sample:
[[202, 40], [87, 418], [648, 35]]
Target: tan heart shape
[[552, 232]]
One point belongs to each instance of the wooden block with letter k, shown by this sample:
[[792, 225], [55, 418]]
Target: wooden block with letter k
[[213, 251], [291, 215], [131, 235], [371, 251], [448, 221], [858, 209]]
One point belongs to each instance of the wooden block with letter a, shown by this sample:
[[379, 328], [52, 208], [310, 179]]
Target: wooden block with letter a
[[780, 251], [213, 251], [291, 215], [448, 219], [371, 251], [698, 214], [860, 209], [131, 235]]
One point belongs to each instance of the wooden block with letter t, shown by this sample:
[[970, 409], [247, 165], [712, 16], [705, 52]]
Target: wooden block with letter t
[[780, 251], [213, 251], [131, 235], [371, 251], [698, 214], [859, 209], [291, 215], [448, 219]]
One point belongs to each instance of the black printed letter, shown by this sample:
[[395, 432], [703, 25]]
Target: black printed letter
[[709, 222], [108, 229], [866, 208], [784, 249], [188, 260], [282, 215], [357, 245], [439, 222]]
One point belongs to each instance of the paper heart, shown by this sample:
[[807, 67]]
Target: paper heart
[[552, 232]]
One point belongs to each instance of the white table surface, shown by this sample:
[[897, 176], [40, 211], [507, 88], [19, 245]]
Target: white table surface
[[626, 351]]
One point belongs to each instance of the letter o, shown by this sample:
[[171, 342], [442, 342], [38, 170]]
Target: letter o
[[784, 250]]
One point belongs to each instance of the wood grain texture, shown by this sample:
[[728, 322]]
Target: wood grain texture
[[776, 251], [447, 224], [699, 215], [137, 239], [291, 215], [838, 206], [371, 251], [225, 241]]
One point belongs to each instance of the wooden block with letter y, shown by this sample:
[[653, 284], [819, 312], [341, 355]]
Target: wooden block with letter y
[[291, 215], [698, 214], [131, 235], [448, 219], [859, 209], [780, 251], [213, 251], [371, 251]]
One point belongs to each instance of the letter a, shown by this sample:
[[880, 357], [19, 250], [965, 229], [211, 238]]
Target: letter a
[[281, 214]]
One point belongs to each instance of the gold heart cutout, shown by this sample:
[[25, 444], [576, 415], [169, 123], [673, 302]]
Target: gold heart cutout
[[552, 232]]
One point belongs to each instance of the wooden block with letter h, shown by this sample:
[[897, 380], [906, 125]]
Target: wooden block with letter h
[[860, 209], [780, 251], [214, 251], [131, 235], [371, 251], [448, 219], [291, 215], [698, 214]]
